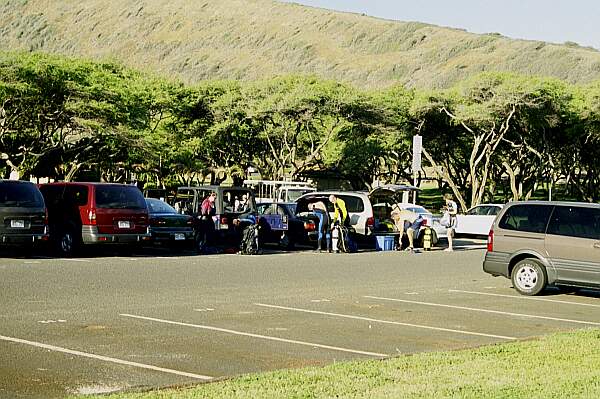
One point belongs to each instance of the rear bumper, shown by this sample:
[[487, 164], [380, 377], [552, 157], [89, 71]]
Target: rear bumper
[[496, 264], [170, 234], [90, 235], [22, 238]]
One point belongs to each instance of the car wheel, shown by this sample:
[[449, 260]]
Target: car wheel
[[67, 243], [529, 277], [200, 240]]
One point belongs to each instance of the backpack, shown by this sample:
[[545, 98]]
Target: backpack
[[249, 244]]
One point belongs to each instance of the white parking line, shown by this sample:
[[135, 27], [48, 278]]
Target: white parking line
[[104, 358], [289, 341], [396, 323], [485, 310], [75, 260], [525, 297]]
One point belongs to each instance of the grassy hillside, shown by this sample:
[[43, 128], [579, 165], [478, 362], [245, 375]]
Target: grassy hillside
[[249, 39]]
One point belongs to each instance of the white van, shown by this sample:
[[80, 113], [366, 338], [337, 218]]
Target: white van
[[358, 206]]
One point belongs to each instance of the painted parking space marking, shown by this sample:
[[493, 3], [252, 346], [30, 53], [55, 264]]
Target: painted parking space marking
[[441, 305], [266, 337], [74, 260], [396, 323], [104, 358], [526, 298]]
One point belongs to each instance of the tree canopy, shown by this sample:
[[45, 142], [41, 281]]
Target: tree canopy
[[496, 135]]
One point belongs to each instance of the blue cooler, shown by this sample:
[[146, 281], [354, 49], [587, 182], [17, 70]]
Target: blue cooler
[[384, 243]]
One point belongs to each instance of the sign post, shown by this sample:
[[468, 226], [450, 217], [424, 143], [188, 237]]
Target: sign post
[[416, 161]]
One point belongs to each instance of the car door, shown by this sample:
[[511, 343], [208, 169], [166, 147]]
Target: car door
[[573, 243], [475, 221]]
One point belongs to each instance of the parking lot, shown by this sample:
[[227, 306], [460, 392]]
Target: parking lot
[[104, 323]]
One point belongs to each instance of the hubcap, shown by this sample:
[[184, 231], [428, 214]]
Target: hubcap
[[66, 244], [527, 277]]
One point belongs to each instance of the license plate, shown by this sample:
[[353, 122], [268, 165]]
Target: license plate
[[179, 237], [17, 224], [124, 224]]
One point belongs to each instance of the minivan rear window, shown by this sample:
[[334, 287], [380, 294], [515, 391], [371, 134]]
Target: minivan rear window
[[119, 197], [20, 195], [529, 218]]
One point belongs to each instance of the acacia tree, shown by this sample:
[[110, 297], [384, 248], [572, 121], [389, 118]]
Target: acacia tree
[[580, 156], [59, 114], [296, 119]]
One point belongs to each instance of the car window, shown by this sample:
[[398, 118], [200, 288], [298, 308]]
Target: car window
[[479, 210], [575, 222], [21, 195], [75, 195], [119, 197], [526, 217], [474, 211], [237, 201], [263, 209], [184, 201], [353, 203], [494, 210], [157, 206], [417, 209], [281, 210]]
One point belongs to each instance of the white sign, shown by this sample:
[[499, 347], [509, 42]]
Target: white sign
[[417, 149]]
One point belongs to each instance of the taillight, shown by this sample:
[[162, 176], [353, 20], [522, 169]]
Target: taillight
[[490, 241], [309, 226], [190, 221], [425, 222], [92, 216], [224, 220], [371, 222]]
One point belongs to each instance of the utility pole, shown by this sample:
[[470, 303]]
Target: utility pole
[[416, 162]]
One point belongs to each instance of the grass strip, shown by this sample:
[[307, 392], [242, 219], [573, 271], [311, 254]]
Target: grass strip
[[562, 365]]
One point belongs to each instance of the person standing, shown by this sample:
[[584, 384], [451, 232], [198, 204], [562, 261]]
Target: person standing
[[340, 214], [452, 210], [319, 209], [207, 224]]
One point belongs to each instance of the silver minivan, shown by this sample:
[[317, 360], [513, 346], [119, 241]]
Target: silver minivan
[[541, 243]]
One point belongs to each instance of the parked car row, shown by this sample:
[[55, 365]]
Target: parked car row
[[72, 215]]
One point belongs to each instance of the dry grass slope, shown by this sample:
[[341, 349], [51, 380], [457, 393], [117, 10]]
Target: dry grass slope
[[253, 39]]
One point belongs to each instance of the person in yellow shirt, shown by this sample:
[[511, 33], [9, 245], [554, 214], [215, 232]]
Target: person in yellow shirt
[[340, 214]]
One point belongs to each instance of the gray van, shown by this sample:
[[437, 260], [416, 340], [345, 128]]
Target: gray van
[[540, 243], [23, 218]]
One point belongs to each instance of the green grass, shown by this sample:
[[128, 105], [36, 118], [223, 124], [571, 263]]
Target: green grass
[[564, 365], [258, 39]]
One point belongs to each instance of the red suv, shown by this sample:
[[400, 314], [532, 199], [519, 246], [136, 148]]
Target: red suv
[[94, 213]]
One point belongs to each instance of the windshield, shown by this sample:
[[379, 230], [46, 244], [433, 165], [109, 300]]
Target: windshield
[[158, 206], [119, 197], [20, 195]]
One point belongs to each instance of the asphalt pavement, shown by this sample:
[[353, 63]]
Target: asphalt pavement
[[107, 323]]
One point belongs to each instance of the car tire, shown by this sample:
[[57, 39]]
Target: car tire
[[67, 243], [200, 240], [529, 277]]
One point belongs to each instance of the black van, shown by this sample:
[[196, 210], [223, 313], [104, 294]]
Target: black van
[[23, 217]]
